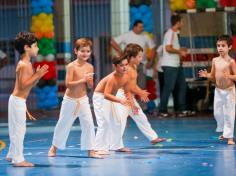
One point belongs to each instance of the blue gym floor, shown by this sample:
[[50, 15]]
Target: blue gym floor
[[192, 149]]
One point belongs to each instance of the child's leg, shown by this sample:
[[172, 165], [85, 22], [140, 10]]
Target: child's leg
[[229, 116], [101, 108], [145, 127], [118, 124], [17, 126], [218, 110], [87, 129], [63, 126], [10, 129]]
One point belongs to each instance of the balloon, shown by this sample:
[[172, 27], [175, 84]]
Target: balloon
[[50, 57], [38, 35], [190, 4], [144, 9], [224, 3]]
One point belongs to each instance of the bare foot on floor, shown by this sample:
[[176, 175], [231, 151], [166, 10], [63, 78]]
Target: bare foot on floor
[[93, 154], [221, 137], [24, 164], [157, 140], [102, 152], [231, 142], [52, 151], [8, 159], [124, 149]]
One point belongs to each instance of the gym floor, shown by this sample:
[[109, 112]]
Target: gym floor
[[192, 149]]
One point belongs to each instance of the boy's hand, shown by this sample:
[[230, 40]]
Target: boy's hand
[[125, 102], [202, 73], [41, 71], [226, 75], [88, 77], [144, 96]]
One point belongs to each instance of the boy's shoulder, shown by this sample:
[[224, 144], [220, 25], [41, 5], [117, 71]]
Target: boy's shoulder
[[22, 64], [89, 65]]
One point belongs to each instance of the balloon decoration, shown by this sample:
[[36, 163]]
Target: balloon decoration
[[43, 27], [228, 3], [141, 10], [144, 13]]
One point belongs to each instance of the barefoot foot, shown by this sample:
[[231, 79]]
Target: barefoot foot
[[52, 151], [93, 154], [231, 142], [124, 149], [24, 164], [157, 140]]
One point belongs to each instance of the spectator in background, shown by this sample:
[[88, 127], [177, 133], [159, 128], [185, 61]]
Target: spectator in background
[[136, 36], [3, 59], [174, 79]]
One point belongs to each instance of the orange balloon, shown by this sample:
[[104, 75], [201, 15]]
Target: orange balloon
[[38, 35], [49, 34], [190, 4]]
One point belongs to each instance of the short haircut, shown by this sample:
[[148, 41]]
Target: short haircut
[[118, 59], [132, 50], [136, 22], [22, 39], [226, 38], [83, 42], [175, 18]]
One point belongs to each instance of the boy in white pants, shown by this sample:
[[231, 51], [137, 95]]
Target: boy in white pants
[[79, 75], [224, 100], [134, 54], [103, 102], [26, 45]]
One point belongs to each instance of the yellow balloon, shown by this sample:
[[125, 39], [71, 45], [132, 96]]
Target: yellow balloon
[[42, 16]]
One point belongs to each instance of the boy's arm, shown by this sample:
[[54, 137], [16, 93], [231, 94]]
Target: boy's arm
[[89, 77], [108, 93], [233, 69], [143, 94], [127, 90], [26, 81], [69, 78], [205, 74]]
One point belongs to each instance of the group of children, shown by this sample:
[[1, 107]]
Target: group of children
[[113, 99]]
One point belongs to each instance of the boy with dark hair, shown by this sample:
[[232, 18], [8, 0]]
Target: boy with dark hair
[[223, 72], [26, 78]]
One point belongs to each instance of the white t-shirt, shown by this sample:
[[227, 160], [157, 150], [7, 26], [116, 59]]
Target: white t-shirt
[[141, 39], [170, 59]]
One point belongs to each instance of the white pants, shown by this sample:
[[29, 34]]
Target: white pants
[[140, 119], [107, 124], [17, 128], [72, 108], [224, 111]]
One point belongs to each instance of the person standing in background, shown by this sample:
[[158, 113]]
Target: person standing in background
[[174, 78]]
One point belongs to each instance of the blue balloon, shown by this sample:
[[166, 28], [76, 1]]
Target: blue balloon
[[55, 88], [138, 16], [144, 9], [47, 9], [47, 89], [36, 10], [34, 3], [133, 10]]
